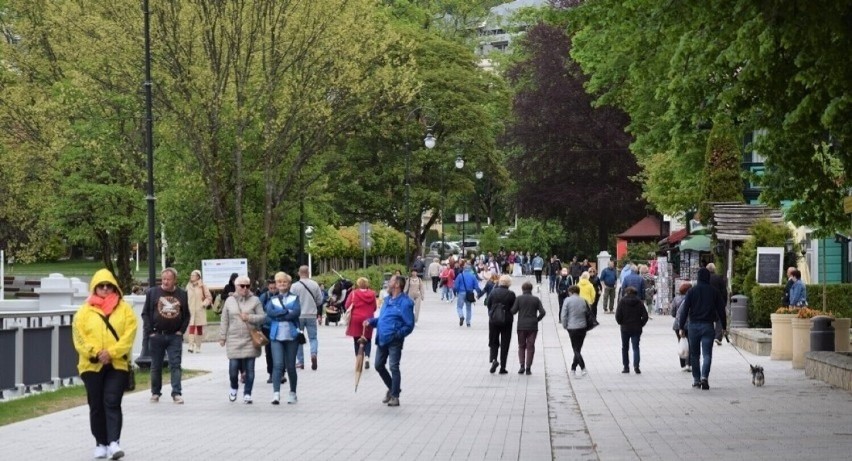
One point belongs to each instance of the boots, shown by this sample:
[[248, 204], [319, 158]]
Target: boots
[[191, 341]]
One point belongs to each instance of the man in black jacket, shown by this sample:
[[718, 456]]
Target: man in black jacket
[[721, 285], [632, 316], [703, 306], [165, 318]]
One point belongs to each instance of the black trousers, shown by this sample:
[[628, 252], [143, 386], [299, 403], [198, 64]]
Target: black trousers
[[537, 273], [577, 337], [267, 352], [499, 337], [104, 391], [435, 281]]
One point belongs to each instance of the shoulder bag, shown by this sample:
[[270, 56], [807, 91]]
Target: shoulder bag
[[131, 374], [258, 339], [591, 321], [469, 295]]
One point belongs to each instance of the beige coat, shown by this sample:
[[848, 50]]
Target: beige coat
[[234, 331], [414, 288], [199, 298]]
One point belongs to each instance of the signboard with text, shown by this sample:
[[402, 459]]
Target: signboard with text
[[770, 265], [217, 272]]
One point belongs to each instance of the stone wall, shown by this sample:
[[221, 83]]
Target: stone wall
[[758, 341], [834, 368]]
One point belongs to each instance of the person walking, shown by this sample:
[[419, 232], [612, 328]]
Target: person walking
[[609, 278], [394, 324], [103, 330], [448, 278], [677, 302], [632, 316], [242, 312], [165, 318], [596, 283], [721, 285], [414, 289], [587, 290], [434, 272], [633, 279], [573, 319], [464, 284], [199, 301], [362, 304], [650, 287], [537, 268], [530, 312], [554, 269], [798, 290], [565, 281], [283, 311], [271, 290], [703, 306], [310, 300], [500, 332]]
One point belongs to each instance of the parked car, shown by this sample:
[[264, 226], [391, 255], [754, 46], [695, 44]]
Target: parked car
[[449, 248], [470, 245]]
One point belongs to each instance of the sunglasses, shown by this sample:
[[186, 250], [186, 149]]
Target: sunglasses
[[104, 286], [243, 286]]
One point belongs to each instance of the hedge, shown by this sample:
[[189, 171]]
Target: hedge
[[765, 300]]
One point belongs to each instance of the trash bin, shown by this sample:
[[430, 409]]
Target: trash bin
[[822, 334], [739, 311]]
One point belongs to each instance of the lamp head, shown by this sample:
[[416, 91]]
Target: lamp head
[[459, 162], [479, 174], [429, 140], [309, 232]]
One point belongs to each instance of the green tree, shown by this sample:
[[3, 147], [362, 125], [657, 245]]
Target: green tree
[[722, 177]]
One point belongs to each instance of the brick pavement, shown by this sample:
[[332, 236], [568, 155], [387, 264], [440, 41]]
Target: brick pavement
[[452, 408]]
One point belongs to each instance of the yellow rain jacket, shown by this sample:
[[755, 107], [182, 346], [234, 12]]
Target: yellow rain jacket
[[91, 334], [587, 291]]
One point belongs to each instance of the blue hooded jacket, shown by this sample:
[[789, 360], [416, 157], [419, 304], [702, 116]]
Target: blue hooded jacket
[[283, 311], [396, 320]]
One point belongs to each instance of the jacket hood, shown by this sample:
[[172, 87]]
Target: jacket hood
[[105, 276], [704, 275], [364, 295], [584, 282]]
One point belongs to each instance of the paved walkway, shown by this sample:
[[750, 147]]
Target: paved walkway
[[452, 408]]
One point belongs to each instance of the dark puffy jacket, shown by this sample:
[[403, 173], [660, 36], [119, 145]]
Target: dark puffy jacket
[[703, 303], [631, 314]]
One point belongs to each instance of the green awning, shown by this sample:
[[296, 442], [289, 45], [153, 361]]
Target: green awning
[[695, 243]]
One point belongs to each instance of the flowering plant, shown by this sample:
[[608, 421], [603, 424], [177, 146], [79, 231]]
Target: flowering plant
[[808, 313], [788, 310]]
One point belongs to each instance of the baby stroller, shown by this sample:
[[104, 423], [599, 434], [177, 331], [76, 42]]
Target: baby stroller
[[336, 301]]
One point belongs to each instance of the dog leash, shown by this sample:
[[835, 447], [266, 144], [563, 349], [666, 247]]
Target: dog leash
[[736, 349]]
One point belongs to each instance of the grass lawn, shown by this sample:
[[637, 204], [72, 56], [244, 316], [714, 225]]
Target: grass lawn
[[45, 403], [74, 268]]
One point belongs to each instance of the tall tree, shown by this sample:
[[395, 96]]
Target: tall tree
[[722, 180], [572, 158]]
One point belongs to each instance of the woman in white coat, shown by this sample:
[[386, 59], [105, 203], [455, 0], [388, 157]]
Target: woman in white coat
[[241, 312]]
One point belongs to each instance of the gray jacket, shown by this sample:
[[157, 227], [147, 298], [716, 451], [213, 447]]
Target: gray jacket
[[310, 296], [574, 313], [234, 331], [529, 310]]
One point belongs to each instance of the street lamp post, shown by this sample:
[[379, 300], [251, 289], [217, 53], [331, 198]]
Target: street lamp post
[[429, 142], [459, 166], [479, 175]]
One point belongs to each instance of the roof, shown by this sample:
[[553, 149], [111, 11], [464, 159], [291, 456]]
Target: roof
[[697, 242], [674, 237], [732, 221], [649, 226]]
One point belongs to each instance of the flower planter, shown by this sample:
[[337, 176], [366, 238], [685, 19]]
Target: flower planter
[[782, 336], [801, 341], [841, 334]]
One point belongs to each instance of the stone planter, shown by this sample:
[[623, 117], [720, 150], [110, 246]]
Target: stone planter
[[801, 341], [841, 334], [782, 336]]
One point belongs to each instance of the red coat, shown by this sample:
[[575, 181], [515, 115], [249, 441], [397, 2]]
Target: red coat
[[363, 305], [450, 275]]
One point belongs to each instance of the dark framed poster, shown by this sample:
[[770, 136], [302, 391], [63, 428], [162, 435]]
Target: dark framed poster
[[770, 265]]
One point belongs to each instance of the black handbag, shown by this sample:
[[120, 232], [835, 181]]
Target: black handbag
[[591, 321], [497, 316]]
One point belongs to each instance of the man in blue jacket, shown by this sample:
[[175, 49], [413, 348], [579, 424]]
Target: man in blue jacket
[[395, 322], [609, 278], [702, 307]]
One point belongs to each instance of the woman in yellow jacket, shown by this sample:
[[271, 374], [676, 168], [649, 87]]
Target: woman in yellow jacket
[[587, 290], [104, 329]]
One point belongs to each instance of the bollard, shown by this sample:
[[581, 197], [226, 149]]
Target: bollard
[[822, 334]]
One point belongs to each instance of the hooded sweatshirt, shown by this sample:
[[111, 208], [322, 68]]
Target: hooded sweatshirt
[[362, 302], [702, 304], [91, 334]]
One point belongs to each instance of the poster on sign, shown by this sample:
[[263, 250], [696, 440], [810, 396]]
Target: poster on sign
[[217, 272], [770, 265]]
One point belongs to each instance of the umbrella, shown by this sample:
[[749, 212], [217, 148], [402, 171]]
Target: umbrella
[[359, 359]]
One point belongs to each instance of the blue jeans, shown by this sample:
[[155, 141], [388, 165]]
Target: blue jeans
[[461, 303], [626, 338], [283, 356], [158, 346], [446, 293], [393, 380], [700, 341], [309, 324], [552, 283], [234, 367]]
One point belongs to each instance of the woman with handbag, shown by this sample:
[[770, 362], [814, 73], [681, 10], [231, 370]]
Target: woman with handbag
[[361, 306], [414, 290], [199, 301], [499, 304], [104, 329], [283, 311], [677, 302], [575, 320], [242, 317]]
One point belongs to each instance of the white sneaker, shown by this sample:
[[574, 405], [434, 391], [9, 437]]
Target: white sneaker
[[100, 452], [247, 398], [276, 398], [114, 451], [583, 372], [577, 374], [292, 398], [232, 395]]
